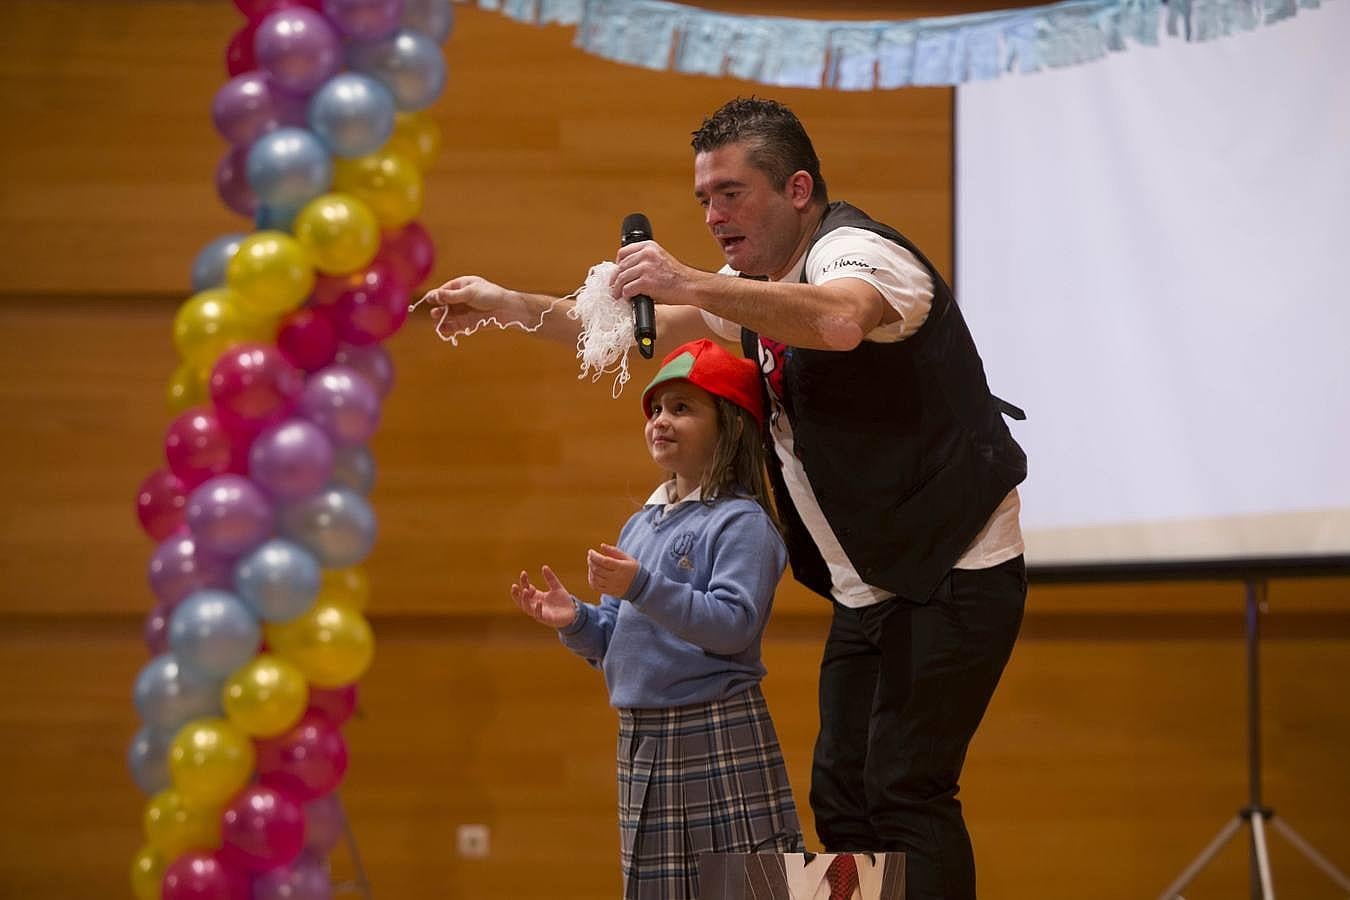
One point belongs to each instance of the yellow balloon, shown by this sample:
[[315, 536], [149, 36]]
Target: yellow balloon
[[330, 643], [388, 183], [265, 696], [416, 138], [173, 826], [187, 387], [209, 760], [339, 231], [349, 587], [271, 273], [207, 324], [147, 871]]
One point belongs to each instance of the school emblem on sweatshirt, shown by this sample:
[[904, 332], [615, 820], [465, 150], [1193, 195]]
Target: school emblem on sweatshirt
[[680, 548]]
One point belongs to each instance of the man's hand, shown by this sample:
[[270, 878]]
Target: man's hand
[[469, 299], [611, 571], [553, 607], [646, 268]]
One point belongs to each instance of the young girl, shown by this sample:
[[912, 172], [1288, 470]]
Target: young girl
[[684, 599]]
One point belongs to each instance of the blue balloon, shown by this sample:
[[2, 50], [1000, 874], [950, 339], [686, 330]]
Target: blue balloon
[[337, 525], [208, 269], [213, 633], [275, 218], [168, 695], [434, 18], [354, 467], [410, 64], [288, 167], [148, 759], [353, 114], [278, 581]]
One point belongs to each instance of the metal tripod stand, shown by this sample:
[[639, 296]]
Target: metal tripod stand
[[1255, 813]]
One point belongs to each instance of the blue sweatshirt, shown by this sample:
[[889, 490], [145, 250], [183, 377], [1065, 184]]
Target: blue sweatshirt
[[688, 629]]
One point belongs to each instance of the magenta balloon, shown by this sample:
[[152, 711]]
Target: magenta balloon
[[324, 824], [343, 403], [203, 876], [261, 829], [305, 879], [307, 338], [291, 460], [179, 567], [306, 762], [411, 252], [253, 386], [298, 49], [334, 704], [365, 20], [160, 502], [232, 182], [372, 361], [197, 447], [229, 515], [373, 307]]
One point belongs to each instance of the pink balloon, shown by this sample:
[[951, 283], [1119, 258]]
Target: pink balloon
[[343, 403], [180, 567], [373, 307], [365, 20], [411, 252], [232, 182], [229, 515], [372, 361], [324, 821], [305, 879], [203, 876], [197, 446], [307, 338], [298, 48], [261, 829], [253, 386], [258, 9], [305, 762], [334, 704], [160, 503]]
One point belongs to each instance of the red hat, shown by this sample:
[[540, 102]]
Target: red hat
[[707, 365]]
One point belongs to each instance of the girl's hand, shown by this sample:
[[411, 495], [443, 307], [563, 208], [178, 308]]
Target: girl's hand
[[553, 607], [610, 571]]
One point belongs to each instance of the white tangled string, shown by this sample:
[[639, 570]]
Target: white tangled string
[[606, 326]]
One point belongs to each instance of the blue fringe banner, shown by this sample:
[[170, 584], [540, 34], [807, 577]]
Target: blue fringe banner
[[864, 56]]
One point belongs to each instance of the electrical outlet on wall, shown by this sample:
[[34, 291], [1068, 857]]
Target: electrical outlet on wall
[[473, 841]]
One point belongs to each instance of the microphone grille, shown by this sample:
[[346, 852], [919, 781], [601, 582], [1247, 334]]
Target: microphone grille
[[635, 228]]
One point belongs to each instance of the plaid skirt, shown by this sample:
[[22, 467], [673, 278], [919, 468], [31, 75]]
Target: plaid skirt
[[693, 779]]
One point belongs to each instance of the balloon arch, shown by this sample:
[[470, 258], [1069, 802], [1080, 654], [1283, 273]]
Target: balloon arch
[[260, 512]]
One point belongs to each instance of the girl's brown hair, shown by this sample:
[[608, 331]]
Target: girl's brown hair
[[738, 463]]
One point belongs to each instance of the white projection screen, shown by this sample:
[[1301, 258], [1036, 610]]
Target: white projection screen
[[1153, 252]]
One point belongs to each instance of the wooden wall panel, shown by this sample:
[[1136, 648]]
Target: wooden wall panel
[[108, 183], [1104, 764], [1112, 752]]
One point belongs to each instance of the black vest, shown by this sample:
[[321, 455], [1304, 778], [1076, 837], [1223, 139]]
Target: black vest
[[904, 445]]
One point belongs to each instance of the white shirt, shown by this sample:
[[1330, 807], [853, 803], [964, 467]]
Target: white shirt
[[906, 285], [806, 881]]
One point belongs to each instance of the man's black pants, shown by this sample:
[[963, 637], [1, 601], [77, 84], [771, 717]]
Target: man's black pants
[[903, 687]]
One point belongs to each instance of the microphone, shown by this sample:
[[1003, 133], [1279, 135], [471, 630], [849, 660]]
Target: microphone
[[636, 228]]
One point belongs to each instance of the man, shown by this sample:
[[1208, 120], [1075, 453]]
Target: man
[[893, 469]]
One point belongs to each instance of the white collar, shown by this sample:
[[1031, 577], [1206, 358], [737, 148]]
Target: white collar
[[664, 495]]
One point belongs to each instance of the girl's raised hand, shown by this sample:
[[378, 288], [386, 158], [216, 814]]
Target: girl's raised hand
[[610, 571], [553, 607]]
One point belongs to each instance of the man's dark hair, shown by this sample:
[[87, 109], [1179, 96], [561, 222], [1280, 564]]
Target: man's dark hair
[[778, 144]]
